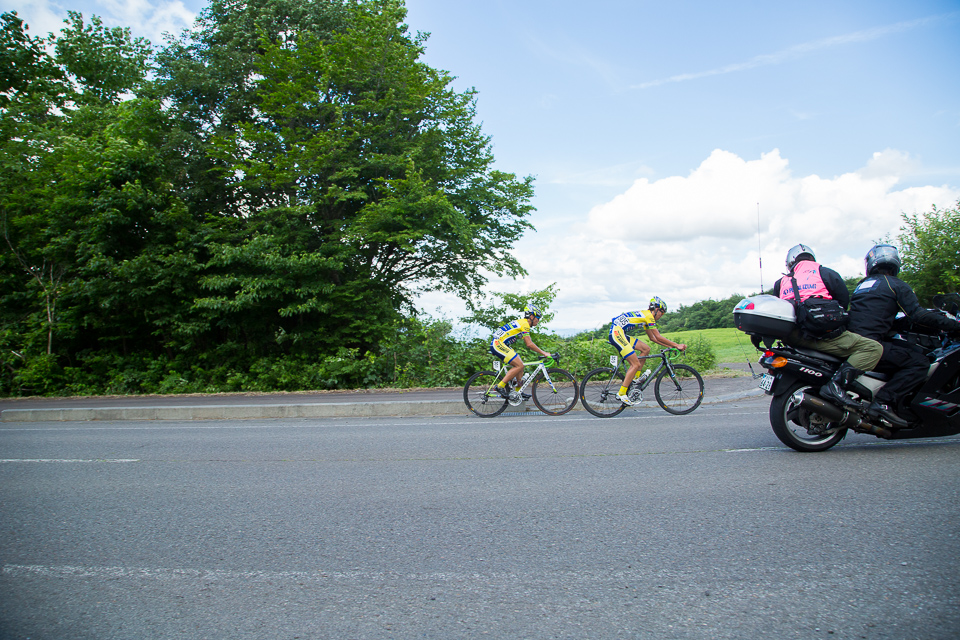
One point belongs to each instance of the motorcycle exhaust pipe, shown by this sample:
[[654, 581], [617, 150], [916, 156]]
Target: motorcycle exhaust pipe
[[833, 413]]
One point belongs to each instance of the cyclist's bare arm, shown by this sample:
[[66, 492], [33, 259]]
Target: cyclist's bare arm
[[655, 336], [527, 341]]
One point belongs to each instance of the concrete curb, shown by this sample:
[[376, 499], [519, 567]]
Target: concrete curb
[[400, 408], [242, 411]]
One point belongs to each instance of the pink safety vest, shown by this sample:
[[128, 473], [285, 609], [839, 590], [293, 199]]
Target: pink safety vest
[[808, 278]]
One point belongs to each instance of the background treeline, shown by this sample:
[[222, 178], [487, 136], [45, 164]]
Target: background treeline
[[254, 206], [713, 314]]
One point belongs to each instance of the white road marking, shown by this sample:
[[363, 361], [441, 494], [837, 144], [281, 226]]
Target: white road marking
[[68, 460]]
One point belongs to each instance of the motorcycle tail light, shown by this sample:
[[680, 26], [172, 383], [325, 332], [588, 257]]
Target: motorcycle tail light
[[778, 362]]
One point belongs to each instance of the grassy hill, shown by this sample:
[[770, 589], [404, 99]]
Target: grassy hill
[[730, 345]]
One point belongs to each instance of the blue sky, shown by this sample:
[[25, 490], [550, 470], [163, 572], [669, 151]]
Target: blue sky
[[663, 135]]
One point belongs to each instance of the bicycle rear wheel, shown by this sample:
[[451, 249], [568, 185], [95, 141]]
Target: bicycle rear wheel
[[598, 392], [682, 394], [481, 396], [556, 400]]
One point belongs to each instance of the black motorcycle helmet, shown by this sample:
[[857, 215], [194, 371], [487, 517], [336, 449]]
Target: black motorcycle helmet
[[882, 256]]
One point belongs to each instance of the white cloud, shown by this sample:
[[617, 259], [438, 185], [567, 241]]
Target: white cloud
[[42, 17], [800, 50], [695, 237], [150, 19], [145, 18]]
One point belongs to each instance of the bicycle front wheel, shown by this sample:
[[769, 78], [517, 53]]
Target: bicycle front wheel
[[481, 395], [558, 398], [681, 394], [598, 392]]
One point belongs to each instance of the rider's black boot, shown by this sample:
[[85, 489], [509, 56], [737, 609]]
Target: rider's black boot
[[835, 389], [883, 411]]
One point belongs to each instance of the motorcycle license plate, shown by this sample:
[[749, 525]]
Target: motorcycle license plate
[[766, 382]]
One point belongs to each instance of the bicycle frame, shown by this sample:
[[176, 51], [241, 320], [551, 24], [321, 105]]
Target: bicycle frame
[[553, 391], [501, 368], [678, 396], [616, 362]]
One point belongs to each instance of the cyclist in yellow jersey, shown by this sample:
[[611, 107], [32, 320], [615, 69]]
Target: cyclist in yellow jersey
[[507, 335], [626, 323]]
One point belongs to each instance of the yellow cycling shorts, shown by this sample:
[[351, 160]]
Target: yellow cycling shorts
[[624, 344], [502, 351]]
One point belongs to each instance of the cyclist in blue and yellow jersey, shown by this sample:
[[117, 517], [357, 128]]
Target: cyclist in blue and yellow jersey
[[626, 323], [507, 335]]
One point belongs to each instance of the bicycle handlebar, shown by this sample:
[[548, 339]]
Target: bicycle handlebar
[[551, 361]]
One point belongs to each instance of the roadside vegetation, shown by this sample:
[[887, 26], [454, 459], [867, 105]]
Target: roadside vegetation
[[254, 206]]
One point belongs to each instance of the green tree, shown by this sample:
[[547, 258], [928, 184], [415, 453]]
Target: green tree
[[266, 207], [105, 62], [208, 77], [930, 250], [364, 176], [30, 80], [93, 231]]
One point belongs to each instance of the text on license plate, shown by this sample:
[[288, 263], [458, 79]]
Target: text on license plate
[[766, 382]]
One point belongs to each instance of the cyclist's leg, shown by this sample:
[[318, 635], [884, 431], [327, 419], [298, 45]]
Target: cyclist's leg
[[634, 366], [626, 347], [643, 350], [509, 358]]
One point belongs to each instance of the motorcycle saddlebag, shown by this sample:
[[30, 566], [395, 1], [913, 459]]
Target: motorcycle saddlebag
[[765, 315]]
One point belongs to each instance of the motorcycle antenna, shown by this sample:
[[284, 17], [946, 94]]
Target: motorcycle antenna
[[760, 257]]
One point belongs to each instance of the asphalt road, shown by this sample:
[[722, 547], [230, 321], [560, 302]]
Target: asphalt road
[[642, 526]]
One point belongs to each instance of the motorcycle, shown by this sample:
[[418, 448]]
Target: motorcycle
[[804, 421]]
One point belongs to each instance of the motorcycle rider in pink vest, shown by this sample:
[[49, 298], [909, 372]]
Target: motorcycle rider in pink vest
[[816, 281]]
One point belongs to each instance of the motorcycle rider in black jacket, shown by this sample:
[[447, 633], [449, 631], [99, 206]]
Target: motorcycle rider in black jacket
[[873, 308]]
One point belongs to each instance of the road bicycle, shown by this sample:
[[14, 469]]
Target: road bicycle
[[554, 390], [677, 387]]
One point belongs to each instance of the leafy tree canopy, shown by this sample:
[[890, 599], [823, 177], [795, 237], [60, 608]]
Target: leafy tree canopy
[[499, 308], [930, 250]]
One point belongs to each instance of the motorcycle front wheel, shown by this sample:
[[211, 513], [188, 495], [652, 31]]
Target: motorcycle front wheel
[[799, 428]]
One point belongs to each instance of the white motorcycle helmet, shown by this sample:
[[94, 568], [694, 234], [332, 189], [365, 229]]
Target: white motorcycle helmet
[[793, 256]]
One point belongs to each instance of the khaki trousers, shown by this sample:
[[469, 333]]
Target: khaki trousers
[[862, 353]]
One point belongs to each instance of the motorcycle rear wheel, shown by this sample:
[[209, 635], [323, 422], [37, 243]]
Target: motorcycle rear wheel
[[788, 419]]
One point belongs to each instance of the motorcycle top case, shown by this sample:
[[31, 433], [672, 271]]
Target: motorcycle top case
[[765, 315]]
